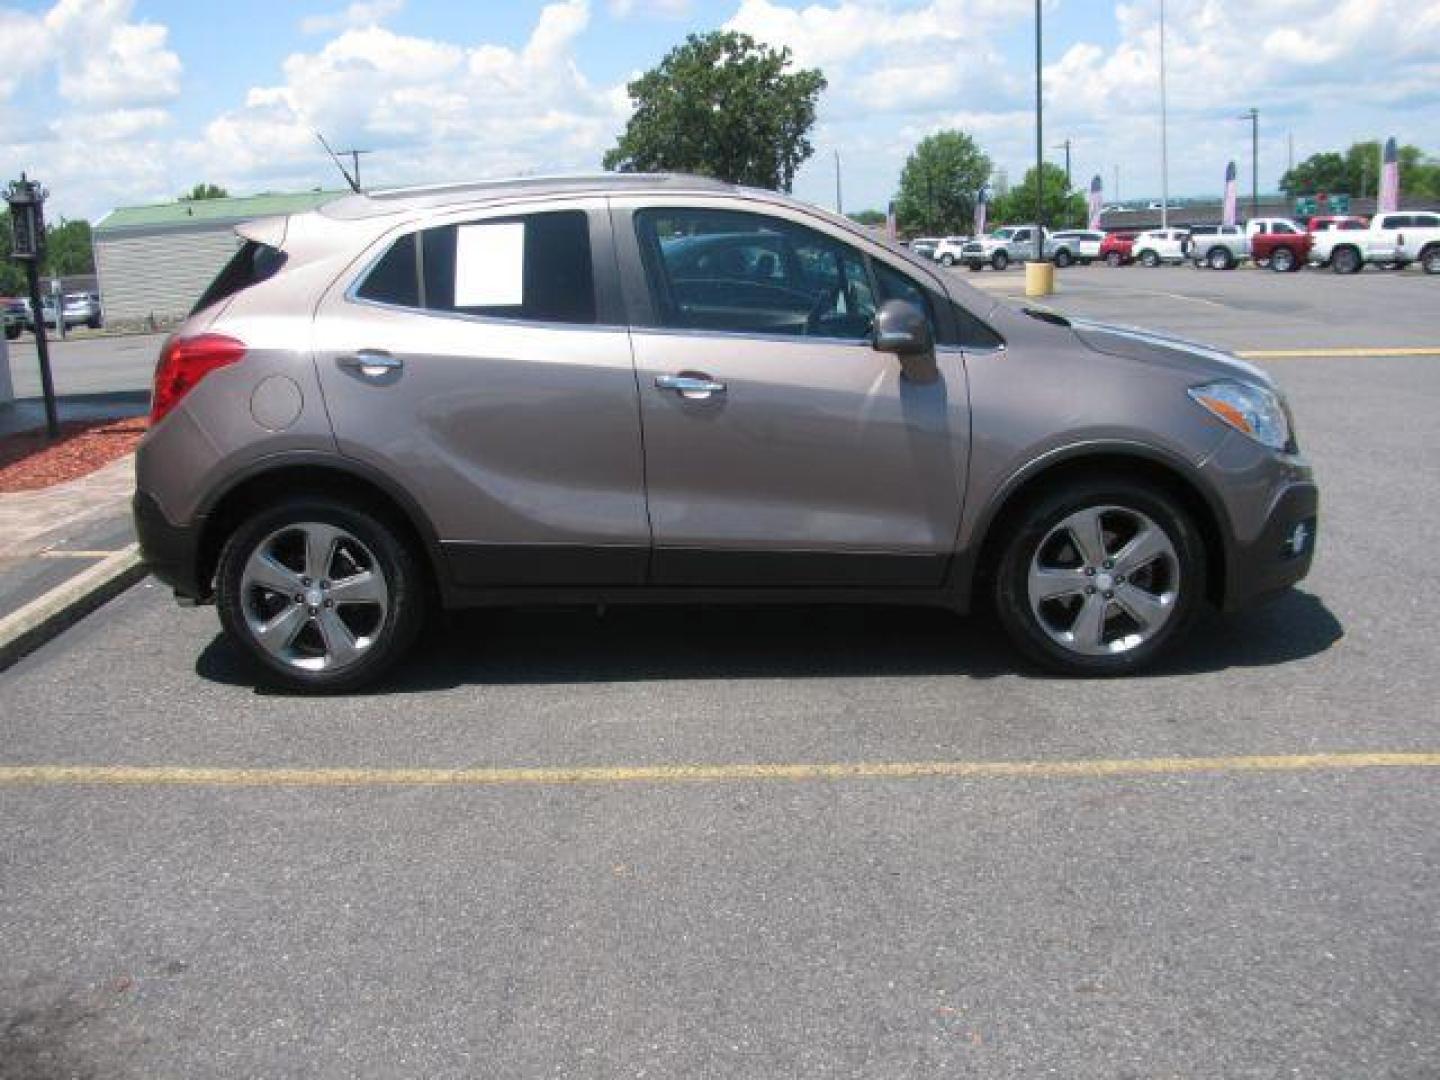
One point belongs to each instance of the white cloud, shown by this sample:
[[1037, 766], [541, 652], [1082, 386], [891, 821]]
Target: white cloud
[[664, 9], [361, 13]]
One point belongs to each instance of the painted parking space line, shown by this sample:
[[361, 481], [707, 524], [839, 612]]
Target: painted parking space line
[[203, 776], [1338, 353], [56, 553]]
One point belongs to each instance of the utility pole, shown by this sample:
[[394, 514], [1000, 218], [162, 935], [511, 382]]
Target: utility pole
[[1117, 185], [1253, 115], [1039, 144], [1164, 133], [1066, 147], [839, 206]]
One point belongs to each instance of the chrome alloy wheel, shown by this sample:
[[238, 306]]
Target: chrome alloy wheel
[[313, 596], [1104, 580]]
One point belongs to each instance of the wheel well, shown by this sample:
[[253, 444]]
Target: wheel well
[[1127, 466], [289, 481]]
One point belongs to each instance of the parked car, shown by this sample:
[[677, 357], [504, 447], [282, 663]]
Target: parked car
[[1116, 248], [1394, 239], [1327, 222], [1015, 243], [1281, 245], [1220, 247], [948, 251], [1159, 246], [81, 309], [924, 246], [1074, 245], [15, 313], [567, 399]]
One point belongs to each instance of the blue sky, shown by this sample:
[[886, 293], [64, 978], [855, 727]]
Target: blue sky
[[115, 102]]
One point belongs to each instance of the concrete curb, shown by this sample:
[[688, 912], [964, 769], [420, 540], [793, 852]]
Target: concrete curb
[[25, 630]]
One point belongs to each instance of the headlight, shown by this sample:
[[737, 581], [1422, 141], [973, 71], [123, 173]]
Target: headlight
[[1250, 409]]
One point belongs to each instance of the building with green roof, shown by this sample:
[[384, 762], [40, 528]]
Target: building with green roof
[[153, 262]]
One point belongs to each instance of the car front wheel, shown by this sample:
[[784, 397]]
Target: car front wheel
[[1000, 260], [1346, 261], [1063, 258], [1113, 258], [1149, 259], [1100, 577], [947, 259], [321, 594], [1430, 259]]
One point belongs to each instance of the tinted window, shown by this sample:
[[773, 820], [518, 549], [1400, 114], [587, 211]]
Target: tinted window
[[724, 270], [1284, 229], [1426, 221], [395, 279], [252, 264], [535, 267]]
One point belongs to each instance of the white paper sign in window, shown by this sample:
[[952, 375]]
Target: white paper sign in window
[[490, 264]]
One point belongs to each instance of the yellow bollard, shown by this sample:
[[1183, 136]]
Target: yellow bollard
[[1039, 278]]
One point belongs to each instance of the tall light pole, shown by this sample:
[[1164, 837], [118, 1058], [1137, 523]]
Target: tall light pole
[[1039, 145], [1066, 147], [1253, 115], [1164, 133]]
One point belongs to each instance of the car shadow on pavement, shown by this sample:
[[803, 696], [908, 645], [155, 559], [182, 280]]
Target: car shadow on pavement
[[628, 644]]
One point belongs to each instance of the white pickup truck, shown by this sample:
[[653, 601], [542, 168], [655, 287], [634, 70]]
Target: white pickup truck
[[1397, 238], [1015, 243]]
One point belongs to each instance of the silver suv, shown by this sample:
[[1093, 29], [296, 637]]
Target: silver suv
[[642, 388]]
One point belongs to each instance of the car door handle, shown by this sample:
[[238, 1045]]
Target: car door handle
[[371, 363], [690, 386]]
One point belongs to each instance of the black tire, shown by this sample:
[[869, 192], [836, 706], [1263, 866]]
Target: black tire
[[1430, 259], [12, 332], [947, 259], [93, 322], [1220, 258], [404, 578], [1114, 258], [1000, 260], [975, 267], [1149, 259], [1283, 261], [1063, 258], [1031, 527], [1346, 260]]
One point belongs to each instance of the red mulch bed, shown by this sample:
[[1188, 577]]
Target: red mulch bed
[[29, 461]]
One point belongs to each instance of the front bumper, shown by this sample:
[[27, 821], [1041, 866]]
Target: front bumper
[[170, 552], [1282, 553]]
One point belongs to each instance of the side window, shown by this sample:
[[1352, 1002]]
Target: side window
[[746, 273], [968, 331], [1427, 221], [535, 267], [395, 279]]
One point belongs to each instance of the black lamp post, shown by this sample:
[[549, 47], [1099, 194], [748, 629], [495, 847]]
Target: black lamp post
[[27, 228], [1039, 147]]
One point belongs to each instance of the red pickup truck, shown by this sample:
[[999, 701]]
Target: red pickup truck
[[1116, 247], [1283, 244]]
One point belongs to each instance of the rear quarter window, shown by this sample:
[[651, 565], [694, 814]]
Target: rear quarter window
[[253, 263]]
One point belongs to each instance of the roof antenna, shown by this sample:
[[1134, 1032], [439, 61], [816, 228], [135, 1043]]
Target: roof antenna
[[353, 181]]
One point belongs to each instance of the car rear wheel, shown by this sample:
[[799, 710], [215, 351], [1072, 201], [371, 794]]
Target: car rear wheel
[[1000, 260], [12, 332], [1283, 261], [1430, 259], [1345, 260], [1063, 258], [1220, 259], [1113, 258], [322, 595], [1149, 259], [947, 259], [1100, 577]]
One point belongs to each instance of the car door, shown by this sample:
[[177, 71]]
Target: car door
[[479, 360], [782, 449]]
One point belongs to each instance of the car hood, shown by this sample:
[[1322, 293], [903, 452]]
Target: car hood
[[1146, 346]]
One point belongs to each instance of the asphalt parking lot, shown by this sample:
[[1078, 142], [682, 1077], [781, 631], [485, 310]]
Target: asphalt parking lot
[[754, 843]]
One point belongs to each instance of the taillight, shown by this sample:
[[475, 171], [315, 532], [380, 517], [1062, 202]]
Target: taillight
[[184, 361]]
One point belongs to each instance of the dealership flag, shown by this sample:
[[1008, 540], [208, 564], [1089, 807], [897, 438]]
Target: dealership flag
[[1096, 200], [890, 220], [1227, 215], [982, 200], [1389, 179]]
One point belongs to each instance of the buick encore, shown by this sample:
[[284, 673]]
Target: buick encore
[[665, 388]]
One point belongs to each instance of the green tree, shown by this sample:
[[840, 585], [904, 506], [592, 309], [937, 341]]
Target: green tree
[[1356, 172], [205, 191], [868, 217], [939, 183], [68, 250], [1063, 208], [721, 105]]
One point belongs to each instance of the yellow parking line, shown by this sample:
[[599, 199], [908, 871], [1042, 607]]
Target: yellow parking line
[[1296, 354], [192, 776]]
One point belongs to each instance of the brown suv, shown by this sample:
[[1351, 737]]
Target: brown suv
[[635, 388]]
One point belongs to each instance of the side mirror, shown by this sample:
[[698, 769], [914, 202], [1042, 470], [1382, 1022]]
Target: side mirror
[[901, 328]]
